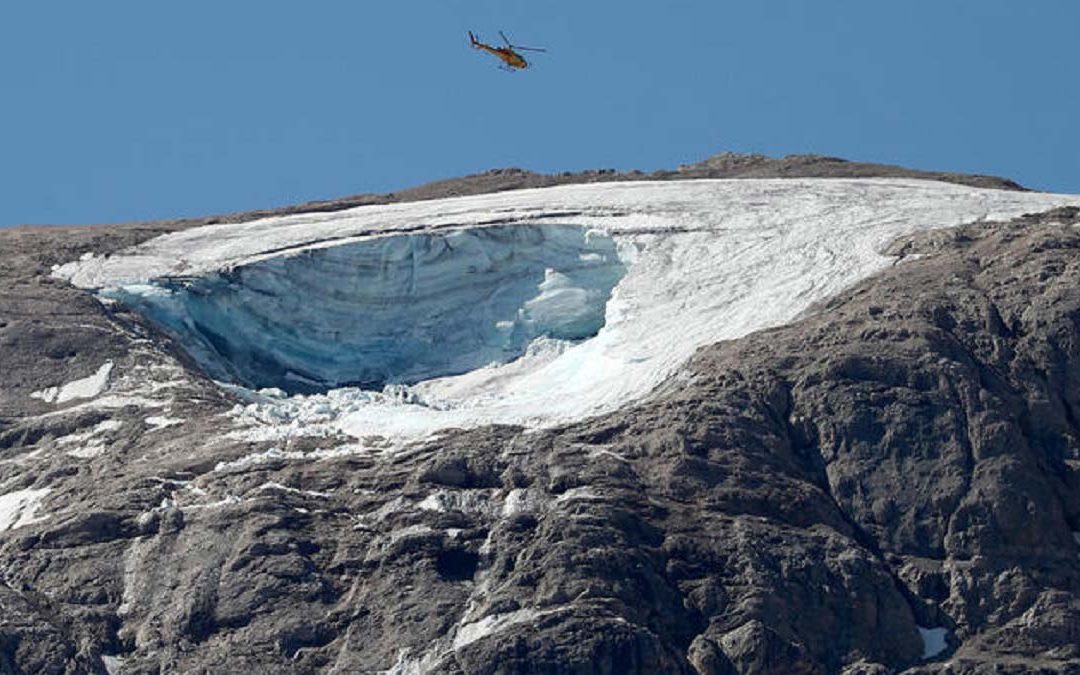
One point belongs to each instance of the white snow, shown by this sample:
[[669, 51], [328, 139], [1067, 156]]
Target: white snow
[[489, 625], [87, 387], [114, 665], [110, 402], [161, 422], [933, 641], [89, 451], [228, 500], [446, 501], [466, 633], [19, 508], [100, 428], [90, 445], [271, 485], [409, 665], [48, 394], [518, 501], [705, 261], [583, 493], [108, 425], [277, 454]]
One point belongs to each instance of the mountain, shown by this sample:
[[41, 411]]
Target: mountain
[[822, 418]]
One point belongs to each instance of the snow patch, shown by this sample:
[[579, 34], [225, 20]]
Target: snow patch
[[934, 641], [100, 428], [110, 402], [408, 665], [284, 488], [469, 633], [583, 493], [91, 446], [604, 452], [19, 508], [22, 459], [277, 454], [446, 501], [114, 665], [87, 387], [228, 500], [161, 422], [89, 451], [522, 500]]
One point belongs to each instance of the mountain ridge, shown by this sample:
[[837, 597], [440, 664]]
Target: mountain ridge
[[900, 462], [722, 165]]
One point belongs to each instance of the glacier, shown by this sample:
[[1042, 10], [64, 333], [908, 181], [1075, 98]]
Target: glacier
[[531, 307], [396, 309]]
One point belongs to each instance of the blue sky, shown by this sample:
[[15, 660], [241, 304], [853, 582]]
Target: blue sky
[[129, 110]]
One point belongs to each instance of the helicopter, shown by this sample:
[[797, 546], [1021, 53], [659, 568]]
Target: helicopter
[[508, 55]]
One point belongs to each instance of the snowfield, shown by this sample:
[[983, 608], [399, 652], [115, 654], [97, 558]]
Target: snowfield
[[20, 508], [87, 387], [532, 307]]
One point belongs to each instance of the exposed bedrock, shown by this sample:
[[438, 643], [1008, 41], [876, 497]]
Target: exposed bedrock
[[388, 310]]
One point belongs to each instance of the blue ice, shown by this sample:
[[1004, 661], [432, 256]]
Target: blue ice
[[397, 309]]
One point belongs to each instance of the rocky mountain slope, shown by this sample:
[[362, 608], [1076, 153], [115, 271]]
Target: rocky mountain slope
[[890, 483]]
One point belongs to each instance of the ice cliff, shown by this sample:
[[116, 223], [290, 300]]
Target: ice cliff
[[397, 309]]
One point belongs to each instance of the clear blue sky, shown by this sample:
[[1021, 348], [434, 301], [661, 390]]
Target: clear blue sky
[[135, 109]]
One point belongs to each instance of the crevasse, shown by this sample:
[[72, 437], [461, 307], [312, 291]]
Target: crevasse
[[395, 309]]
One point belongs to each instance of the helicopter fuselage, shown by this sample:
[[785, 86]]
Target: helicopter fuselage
[[505, 54], [508, 56]]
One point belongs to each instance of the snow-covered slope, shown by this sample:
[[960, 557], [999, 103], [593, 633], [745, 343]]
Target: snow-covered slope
[[533, 307]]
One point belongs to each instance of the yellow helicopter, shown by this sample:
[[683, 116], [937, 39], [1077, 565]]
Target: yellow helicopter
[[508, 55]]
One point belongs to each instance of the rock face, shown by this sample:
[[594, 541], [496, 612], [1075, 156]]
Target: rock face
[[901, 465]]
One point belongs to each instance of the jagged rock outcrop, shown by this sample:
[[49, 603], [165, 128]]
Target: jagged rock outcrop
[[900, 465]]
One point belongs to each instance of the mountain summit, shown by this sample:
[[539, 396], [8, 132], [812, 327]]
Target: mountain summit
[[754, 415]]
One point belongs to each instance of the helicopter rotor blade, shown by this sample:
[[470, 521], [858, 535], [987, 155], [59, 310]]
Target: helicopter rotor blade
[[511, 45]]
